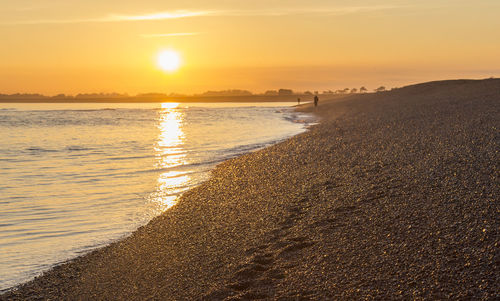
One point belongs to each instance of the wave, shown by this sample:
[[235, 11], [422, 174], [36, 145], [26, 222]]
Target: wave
[[71, 148], [41, 150], [129, 158], [245, 148], [301, 118], [192, 168], [78, 148], [220, 156]]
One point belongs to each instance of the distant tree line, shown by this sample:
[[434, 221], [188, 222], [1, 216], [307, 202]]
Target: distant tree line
[[62, 96], [233, 92], [230, 92]]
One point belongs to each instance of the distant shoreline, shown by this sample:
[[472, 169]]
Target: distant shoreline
[[183, 99]]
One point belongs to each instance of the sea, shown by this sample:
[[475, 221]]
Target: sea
[[75, 177]]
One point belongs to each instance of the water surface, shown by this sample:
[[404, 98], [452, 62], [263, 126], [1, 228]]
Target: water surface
[[74, 177]]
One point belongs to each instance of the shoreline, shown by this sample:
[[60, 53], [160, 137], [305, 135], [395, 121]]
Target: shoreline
[[377, 200]]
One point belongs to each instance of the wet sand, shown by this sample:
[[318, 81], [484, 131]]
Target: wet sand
[[393, 195]]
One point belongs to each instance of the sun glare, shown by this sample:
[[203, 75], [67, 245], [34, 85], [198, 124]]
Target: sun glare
[[169, 60]]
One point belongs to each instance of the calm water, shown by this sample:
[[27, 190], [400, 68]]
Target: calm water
[[78, 176]]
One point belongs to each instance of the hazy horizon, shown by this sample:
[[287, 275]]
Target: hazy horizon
[[96, 46], [222, 92]]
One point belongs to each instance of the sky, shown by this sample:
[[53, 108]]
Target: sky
[[69, 46]]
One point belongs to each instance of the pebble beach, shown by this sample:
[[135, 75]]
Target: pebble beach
[[392, 195]]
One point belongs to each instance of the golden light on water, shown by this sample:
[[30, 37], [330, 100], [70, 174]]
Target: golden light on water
[[168, 151], [166, 185], [170, 154], [169, 105]]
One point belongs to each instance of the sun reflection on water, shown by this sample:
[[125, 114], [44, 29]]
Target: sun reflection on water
[[170, 154]]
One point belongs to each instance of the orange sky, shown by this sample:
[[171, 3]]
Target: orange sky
[[56, 46]]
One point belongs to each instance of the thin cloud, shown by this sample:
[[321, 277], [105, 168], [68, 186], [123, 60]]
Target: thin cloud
[[175, 34], [361, 9], [166, 15], [329, 11], [121, 18], [156, 16]]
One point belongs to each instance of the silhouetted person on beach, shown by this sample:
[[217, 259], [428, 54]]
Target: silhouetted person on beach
[[316, 99], [298, 100]]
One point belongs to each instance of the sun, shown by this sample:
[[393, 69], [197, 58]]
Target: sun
[[169, 60]]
